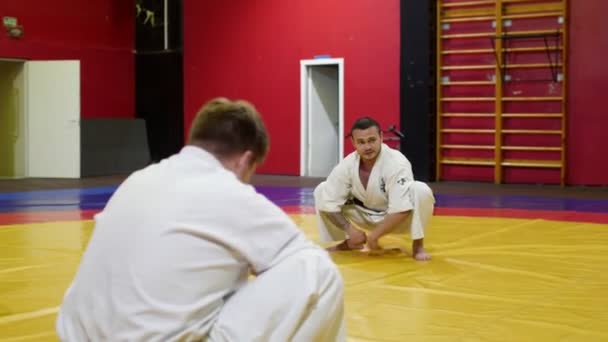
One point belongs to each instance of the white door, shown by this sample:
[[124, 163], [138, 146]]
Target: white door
[[53, 119], [323, 143]]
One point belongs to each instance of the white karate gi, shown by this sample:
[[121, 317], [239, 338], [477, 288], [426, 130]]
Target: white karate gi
[[170, 256], [391, 188]]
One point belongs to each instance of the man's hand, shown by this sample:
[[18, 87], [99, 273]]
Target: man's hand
[[356, 238], [372, 241]]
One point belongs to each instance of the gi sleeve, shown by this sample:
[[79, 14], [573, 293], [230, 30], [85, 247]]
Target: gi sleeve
[[398, 187], [331, 195], [262, 232]]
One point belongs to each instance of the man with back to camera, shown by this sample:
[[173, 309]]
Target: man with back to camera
[[373, 188], [171, 252]]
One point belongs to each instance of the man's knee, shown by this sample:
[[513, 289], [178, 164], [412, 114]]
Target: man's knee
[[332, 274], [326, 270], [423, 191], [317, 194], [331, 285], [318, 189]]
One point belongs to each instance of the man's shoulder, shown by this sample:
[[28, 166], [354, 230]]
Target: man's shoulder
[[394, 156], [350, 158], [394, 161], [346, 163]]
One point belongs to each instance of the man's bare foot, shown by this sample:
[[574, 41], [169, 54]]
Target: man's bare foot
[[418, 251], [345, 245]]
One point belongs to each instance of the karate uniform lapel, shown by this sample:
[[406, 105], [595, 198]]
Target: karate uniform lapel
[[358, 191], [373, 189]]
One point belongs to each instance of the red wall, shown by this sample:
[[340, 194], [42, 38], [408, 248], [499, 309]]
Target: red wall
[[252, 50], [588, 73], [100, 33]]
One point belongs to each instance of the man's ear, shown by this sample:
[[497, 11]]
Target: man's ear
[[245, 166], [245, 160]]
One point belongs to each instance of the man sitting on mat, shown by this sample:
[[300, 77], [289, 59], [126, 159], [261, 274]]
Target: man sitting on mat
[[374, 189], [171, 252]]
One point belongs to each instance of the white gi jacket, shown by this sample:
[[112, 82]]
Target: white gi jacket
[[176, 243]]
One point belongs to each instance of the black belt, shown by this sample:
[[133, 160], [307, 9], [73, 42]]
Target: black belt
[[358, 202]]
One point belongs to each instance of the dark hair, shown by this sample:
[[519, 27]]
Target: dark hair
[[365, 123], [227, 127]]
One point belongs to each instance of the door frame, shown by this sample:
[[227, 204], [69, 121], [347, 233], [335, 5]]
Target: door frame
[[22, 118], [305, 65]]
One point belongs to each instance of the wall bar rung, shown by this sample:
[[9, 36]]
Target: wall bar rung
[[480, 162], [469, 51], [532, 99], [468, 115], [531, 8], [531, 131], [468, 67], [531, 148], [466, 12], [468, 3], [531, 66], [467, 19], [467, 99], [532, 163], [531, 33], [468, 130], [533, 49], [468, 35], [532, 115], [524, 1], [532, 15], [517, 1], [469, 147], [467, 83]]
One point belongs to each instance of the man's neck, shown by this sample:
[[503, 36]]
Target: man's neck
[[367, 165]]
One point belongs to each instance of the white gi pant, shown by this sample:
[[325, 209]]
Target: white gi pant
[[300, 299], [366, 219]]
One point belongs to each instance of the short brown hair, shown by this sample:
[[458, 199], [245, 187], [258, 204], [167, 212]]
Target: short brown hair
[[365, 123], [227, 127]]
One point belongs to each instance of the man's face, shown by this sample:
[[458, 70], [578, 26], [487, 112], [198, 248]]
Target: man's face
[[367, 142]]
